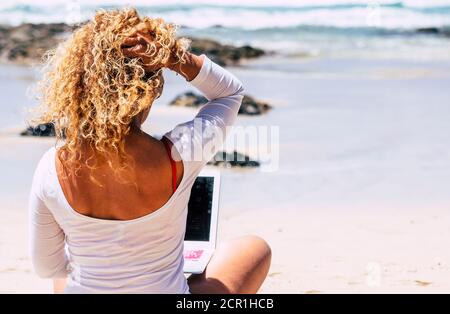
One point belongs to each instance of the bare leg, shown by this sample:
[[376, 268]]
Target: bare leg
[[238, 266]]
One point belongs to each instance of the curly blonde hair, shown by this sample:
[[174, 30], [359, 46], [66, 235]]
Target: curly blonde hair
[[91, 91]]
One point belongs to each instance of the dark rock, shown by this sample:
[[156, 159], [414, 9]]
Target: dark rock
[[224, 54], [249, 105], [428, 30], [444, 31], [253, 107], [46, 129], [234, 159], [189, 99], [28, 42]]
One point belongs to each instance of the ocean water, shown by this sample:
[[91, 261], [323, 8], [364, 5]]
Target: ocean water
[[311, 28], [16, 87]]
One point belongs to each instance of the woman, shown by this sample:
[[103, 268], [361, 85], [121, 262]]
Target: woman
[[108, 206]]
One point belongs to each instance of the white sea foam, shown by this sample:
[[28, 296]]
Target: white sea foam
[[256, 3], [248, 14]]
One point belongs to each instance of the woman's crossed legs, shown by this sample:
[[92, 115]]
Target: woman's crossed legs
[[238, 266]]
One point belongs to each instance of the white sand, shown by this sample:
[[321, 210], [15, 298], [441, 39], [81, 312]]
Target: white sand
[[359, 203], [314, 250]]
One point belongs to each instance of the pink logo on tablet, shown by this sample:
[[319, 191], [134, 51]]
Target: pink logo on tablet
[[193, 254]]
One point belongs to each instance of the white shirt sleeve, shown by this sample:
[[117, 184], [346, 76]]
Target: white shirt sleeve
[[199, 139], [47, 239]]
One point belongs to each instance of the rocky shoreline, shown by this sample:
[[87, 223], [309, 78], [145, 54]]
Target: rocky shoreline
[[27, 43], [224, 54]]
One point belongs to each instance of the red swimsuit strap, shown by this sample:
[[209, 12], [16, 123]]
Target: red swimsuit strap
[[172, 165]]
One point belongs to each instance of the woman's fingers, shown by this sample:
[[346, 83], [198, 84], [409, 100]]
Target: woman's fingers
[[135, 51], [130, 41], [138, 37], [137, 44], [139, 51], [141, 45], [147, 37]]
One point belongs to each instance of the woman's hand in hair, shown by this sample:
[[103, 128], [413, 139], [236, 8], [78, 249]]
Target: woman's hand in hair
[[142, 45]]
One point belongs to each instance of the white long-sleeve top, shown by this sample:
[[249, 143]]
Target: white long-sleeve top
[[143, 255]]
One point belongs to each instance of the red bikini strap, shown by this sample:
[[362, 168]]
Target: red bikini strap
[[172, 165]]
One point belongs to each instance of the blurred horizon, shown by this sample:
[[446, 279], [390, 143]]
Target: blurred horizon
[[326, 13]]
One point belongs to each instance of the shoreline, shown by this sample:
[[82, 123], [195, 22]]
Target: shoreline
[[27, 44]]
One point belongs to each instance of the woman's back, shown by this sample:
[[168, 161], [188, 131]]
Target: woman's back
[[123, 256], [107, 197]]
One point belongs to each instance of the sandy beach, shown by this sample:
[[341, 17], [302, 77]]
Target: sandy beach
[[358, 204]]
